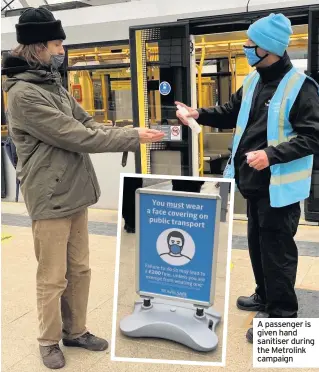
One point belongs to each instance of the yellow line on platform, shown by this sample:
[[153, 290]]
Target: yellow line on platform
[[5, 237]]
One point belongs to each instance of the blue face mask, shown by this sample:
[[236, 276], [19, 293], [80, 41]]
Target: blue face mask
[[252, 56], [175, 249]]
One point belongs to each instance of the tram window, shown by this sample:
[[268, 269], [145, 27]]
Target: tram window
[[101, 55], [104, 93]]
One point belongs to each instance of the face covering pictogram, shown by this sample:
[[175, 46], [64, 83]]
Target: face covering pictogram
[[175, 249]]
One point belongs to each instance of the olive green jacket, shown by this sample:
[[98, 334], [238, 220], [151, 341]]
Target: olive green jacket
[[53, 136]]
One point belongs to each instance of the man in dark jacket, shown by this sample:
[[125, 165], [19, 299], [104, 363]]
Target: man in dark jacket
[[272, 218], [53, 136]]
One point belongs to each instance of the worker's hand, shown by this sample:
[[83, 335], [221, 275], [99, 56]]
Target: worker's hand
[[258, 159], [192, 113], [150, 135]]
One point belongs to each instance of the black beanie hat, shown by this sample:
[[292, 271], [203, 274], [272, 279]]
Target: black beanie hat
[[38, 26]]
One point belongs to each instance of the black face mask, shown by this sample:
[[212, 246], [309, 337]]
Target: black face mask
[[252, 55]]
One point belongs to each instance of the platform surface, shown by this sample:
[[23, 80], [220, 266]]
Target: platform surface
[[19, 323]]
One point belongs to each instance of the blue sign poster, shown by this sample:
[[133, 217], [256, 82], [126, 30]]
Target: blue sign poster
[[165, 88], [177, 241]]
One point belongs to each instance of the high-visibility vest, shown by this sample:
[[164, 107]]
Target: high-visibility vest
[[290, 182]]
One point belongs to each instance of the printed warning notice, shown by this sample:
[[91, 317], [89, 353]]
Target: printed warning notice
[[177, 244], [280, 343]]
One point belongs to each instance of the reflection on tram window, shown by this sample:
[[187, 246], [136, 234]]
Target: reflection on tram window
[[104, 93]]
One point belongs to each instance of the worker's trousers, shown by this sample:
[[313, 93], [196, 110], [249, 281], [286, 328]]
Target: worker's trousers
[[274, 255], [187, 186], [131, 184]]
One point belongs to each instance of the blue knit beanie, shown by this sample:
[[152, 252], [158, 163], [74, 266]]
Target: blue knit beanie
[[271, 33]]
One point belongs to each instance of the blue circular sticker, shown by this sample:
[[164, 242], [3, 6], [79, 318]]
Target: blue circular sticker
[[165, 88]]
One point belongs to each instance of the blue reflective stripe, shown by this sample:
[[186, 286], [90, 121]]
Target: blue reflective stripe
[[249, 86], [288, 130], [279, 107], [297, 191], [297, 165], [290, 182], [274, 108]]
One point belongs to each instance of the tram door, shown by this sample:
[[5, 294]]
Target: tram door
[[160, 74]]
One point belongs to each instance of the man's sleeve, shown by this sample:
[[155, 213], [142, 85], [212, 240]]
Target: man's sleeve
[[43, 121], [304, 118], [222, 117], [82, 116]]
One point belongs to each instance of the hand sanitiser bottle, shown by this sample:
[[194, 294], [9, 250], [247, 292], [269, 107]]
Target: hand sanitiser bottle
[[192, 123]]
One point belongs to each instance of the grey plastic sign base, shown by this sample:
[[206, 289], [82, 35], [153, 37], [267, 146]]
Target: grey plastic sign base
[[173, 321]]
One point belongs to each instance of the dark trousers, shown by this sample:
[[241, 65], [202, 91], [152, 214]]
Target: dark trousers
[[131, 184], [274, 255], [187, 186]]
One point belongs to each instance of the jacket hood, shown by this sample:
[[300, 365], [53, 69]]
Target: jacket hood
[[17, 69]]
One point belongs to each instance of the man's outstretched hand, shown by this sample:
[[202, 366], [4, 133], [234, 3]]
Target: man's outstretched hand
[[257, 159], [150, 135], [192, 113]]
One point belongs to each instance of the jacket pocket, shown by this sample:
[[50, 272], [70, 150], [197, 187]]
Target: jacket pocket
[[58, 185]]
